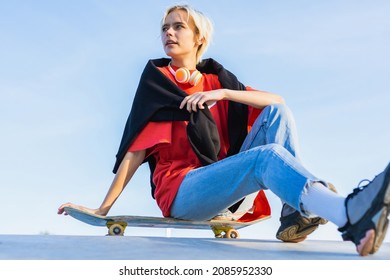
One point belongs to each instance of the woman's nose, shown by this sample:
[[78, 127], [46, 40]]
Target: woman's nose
[[169, 31]]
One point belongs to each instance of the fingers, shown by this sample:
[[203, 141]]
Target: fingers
[[61, 209], [194, 102]]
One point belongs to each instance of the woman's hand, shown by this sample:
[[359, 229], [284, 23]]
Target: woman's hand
[[61, 209], [198, 100]]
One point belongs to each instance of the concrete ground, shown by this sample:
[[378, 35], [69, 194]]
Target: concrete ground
[[56, 247]]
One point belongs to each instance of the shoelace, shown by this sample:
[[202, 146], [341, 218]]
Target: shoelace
[[359, 187], [362, 181]]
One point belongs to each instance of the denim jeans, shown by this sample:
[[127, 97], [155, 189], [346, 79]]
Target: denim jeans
[[268, 160]]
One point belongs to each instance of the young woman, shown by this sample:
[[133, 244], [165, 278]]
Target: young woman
[[213, 146]]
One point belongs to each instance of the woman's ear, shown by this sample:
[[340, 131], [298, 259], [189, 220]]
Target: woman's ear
[[200, 41]]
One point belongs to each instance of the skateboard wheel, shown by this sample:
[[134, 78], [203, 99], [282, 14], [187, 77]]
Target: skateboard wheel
[[116, 229], [231, 233]]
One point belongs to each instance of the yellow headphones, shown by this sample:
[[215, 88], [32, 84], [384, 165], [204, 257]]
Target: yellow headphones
[[183, 75]]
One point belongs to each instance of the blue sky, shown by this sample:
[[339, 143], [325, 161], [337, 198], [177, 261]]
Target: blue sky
[[69, 70]]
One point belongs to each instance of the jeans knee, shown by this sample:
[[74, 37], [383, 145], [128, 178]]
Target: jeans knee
[[275, 149]]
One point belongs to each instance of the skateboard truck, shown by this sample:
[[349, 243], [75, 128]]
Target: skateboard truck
[[225, 232]]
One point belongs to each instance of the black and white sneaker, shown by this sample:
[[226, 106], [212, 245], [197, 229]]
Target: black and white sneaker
[[368, 208], [294, 227]]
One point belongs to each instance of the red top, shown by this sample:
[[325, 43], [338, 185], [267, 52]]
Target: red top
[[168, 143]]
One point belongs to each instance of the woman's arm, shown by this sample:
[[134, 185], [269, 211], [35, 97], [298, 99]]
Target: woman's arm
[[257, 99], [126, 170]]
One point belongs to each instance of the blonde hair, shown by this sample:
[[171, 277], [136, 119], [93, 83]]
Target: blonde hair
[[203, 26]]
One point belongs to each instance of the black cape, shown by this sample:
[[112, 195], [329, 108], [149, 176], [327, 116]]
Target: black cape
[[157, 99]]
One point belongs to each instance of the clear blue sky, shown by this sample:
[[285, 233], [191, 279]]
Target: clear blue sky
[[69, 70]]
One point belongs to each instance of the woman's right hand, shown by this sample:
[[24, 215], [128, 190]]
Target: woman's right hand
[[61, 209]]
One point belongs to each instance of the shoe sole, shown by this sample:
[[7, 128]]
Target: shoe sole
[[373, 238], [293, 235]]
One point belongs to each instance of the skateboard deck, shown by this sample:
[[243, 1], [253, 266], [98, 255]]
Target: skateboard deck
[[117, 224]]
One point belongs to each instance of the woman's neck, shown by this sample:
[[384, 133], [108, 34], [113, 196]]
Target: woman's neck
[[189, 63]]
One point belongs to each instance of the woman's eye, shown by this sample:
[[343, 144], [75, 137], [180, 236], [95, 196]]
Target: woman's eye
[[175, 27]]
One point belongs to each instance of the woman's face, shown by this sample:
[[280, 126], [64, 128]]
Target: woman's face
[[178, 36]]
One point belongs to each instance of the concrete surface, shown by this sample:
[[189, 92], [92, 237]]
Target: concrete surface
[[56, 247]]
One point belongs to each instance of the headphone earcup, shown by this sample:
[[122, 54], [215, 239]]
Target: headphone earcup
[[195, 78], [183, 75]]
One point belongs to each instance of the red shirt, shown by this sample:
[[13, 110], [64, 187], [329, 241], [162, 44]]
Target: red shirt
[[169, 144]]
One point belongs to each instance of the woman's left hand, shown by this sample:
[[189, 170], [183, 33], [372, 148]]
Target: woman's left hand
[[198, 100]]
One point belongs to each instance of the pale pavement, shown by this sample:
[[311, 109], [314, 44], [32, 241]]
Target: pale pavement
[[57, 247]]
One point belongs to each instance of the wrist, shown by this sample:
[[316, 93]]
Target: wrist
[[226, 94], [102, 211]]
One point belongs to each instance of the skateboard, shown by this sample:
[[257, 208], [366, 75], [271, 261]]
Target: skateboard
[[117, 224]]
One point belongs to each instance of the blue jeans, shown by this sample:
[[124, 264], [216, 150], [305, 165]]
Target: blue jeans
[[268, 160]]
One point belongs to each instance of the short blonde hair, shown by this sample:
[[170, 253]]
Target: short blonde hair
[[203, 26]]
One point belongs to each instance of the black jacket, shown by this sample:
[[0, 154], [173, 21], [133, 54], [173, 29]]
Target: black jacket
[[157, 99]]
